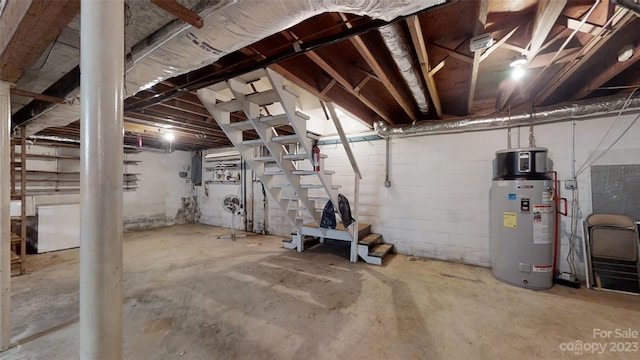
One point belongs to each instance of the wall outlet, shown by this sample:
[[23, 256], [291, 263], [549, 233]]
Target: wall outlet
[[570, 184]]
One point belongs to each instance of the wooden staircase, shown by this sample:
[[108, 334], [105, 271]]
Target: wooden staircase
[[258, 114]]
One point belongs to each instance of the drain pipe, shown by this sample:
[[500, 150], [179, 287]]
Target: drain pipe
[[387, 182], [398, 45], [264, 210], [576, 111]]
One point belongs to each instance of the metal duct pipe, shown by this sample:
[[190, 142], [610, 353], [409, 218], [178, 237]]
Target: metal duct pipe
[[551, 114], [397, 43]]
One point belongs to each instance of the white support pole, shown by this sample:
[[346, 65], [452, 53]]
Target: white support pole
[[356, 230], [101, 155], [5, 222]]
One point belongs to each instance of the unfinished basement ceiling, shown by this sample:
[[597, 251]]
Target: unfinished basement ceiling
[[399, 70]]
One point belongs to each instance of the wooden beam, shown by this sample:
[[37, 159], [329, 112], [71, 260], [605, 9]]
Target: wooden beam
[[588, 53], [361, 84], [564, 56], [497, 44], [344, 82], [436, 68], [586, 28], [515, 48], [349, 104], [42, 23], [179, 11], [12, 15], [330, 85], [383, 76], [420, 45], [29, 94], [452, 53], [614, 68], [481, 21], [547, 14]]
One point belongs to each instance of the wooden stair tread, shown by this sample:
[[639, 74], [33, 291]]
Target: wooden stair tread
[[242, 125], [381, 250], [253, 142], [370, 239], [286, 139], [15, 239]]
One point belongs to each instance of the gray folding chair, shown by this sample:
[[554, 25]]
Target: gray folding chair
[[612, 251]]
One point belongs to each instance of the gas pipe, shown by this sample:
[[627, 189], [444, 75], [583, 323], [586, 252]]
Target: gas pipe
[[315, 157]]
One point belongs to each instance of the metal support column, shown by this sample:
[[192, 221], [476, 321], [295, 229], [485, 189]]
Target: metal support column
[[101, 156], [5, 221]]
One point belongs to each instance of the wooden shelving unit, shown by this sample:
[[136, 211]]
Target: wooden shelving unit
[[19, 223]]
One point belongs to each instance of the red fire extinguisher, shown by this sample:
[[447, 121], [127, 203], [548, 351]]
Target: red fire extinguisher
[[315, 157]]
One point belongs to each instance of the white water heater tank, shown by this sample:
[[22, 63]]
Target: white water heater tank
[[523, 218]]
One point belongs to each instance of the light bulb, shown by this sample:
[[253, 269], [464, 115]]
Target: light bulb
[[517, 73]]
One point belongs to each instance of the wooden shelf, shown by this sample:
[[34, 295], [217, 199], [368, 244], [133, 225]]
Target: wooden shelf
[[51, 157]]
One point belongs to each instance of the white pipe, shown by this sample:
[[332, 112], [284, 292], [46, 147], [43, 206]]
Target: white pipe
[[101, 156], [5, 221]]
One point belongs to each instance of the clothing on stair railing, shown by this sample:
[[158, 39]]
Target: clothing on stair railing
[[345, 210], [328, 216]]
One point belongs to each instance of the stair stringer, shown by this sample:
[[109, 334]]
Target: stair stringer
[[288, 102], [208, 99], [264, 131]]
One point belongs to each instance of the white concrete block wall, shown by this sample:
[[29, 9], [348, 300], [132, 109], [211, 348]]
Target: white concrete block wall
[[210, 202], [212, 212], [160, 189], [438, 202]]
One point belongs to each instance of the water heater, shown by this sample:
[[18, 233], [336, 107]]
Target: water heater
[[523, 217]]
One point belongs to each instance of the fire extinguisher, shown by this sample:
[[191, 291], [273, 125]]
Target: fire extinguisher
[[315, 157]]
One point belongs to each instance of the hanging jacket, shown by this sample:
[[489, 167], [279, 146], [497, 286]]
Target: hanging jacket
[[328, 216], [345, 211]]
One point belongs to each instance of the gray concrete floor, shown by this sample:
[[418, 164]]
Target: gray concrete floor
[[189, 295]]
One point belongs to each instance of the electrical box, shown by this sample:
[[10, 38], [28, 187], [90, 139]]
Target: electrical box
[[481, 42]]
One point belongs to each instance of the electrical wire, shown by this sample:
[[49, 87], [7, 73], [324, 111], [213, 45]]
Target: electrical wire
[[575, 202], [590, 160]]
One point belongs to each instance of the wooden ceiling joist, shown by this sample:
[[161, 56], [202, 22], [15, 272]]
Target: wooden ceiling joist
[[415, 28], [29, 94], [40, 26], [179, 11], [383, 74], [627, 23], [452, 53], [481, 21], [497, 44], [344, 82], [547, 14], [345, 99]]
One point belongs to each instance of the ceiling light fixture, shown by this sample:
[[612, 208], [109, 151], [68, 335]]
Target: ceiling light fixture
[[625, 53], [517, 73], [169, 136], [518, 61]]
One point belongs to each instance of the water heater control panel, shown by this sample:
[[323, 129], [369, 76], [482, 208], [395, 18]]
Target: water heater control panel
[[524, 162]]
